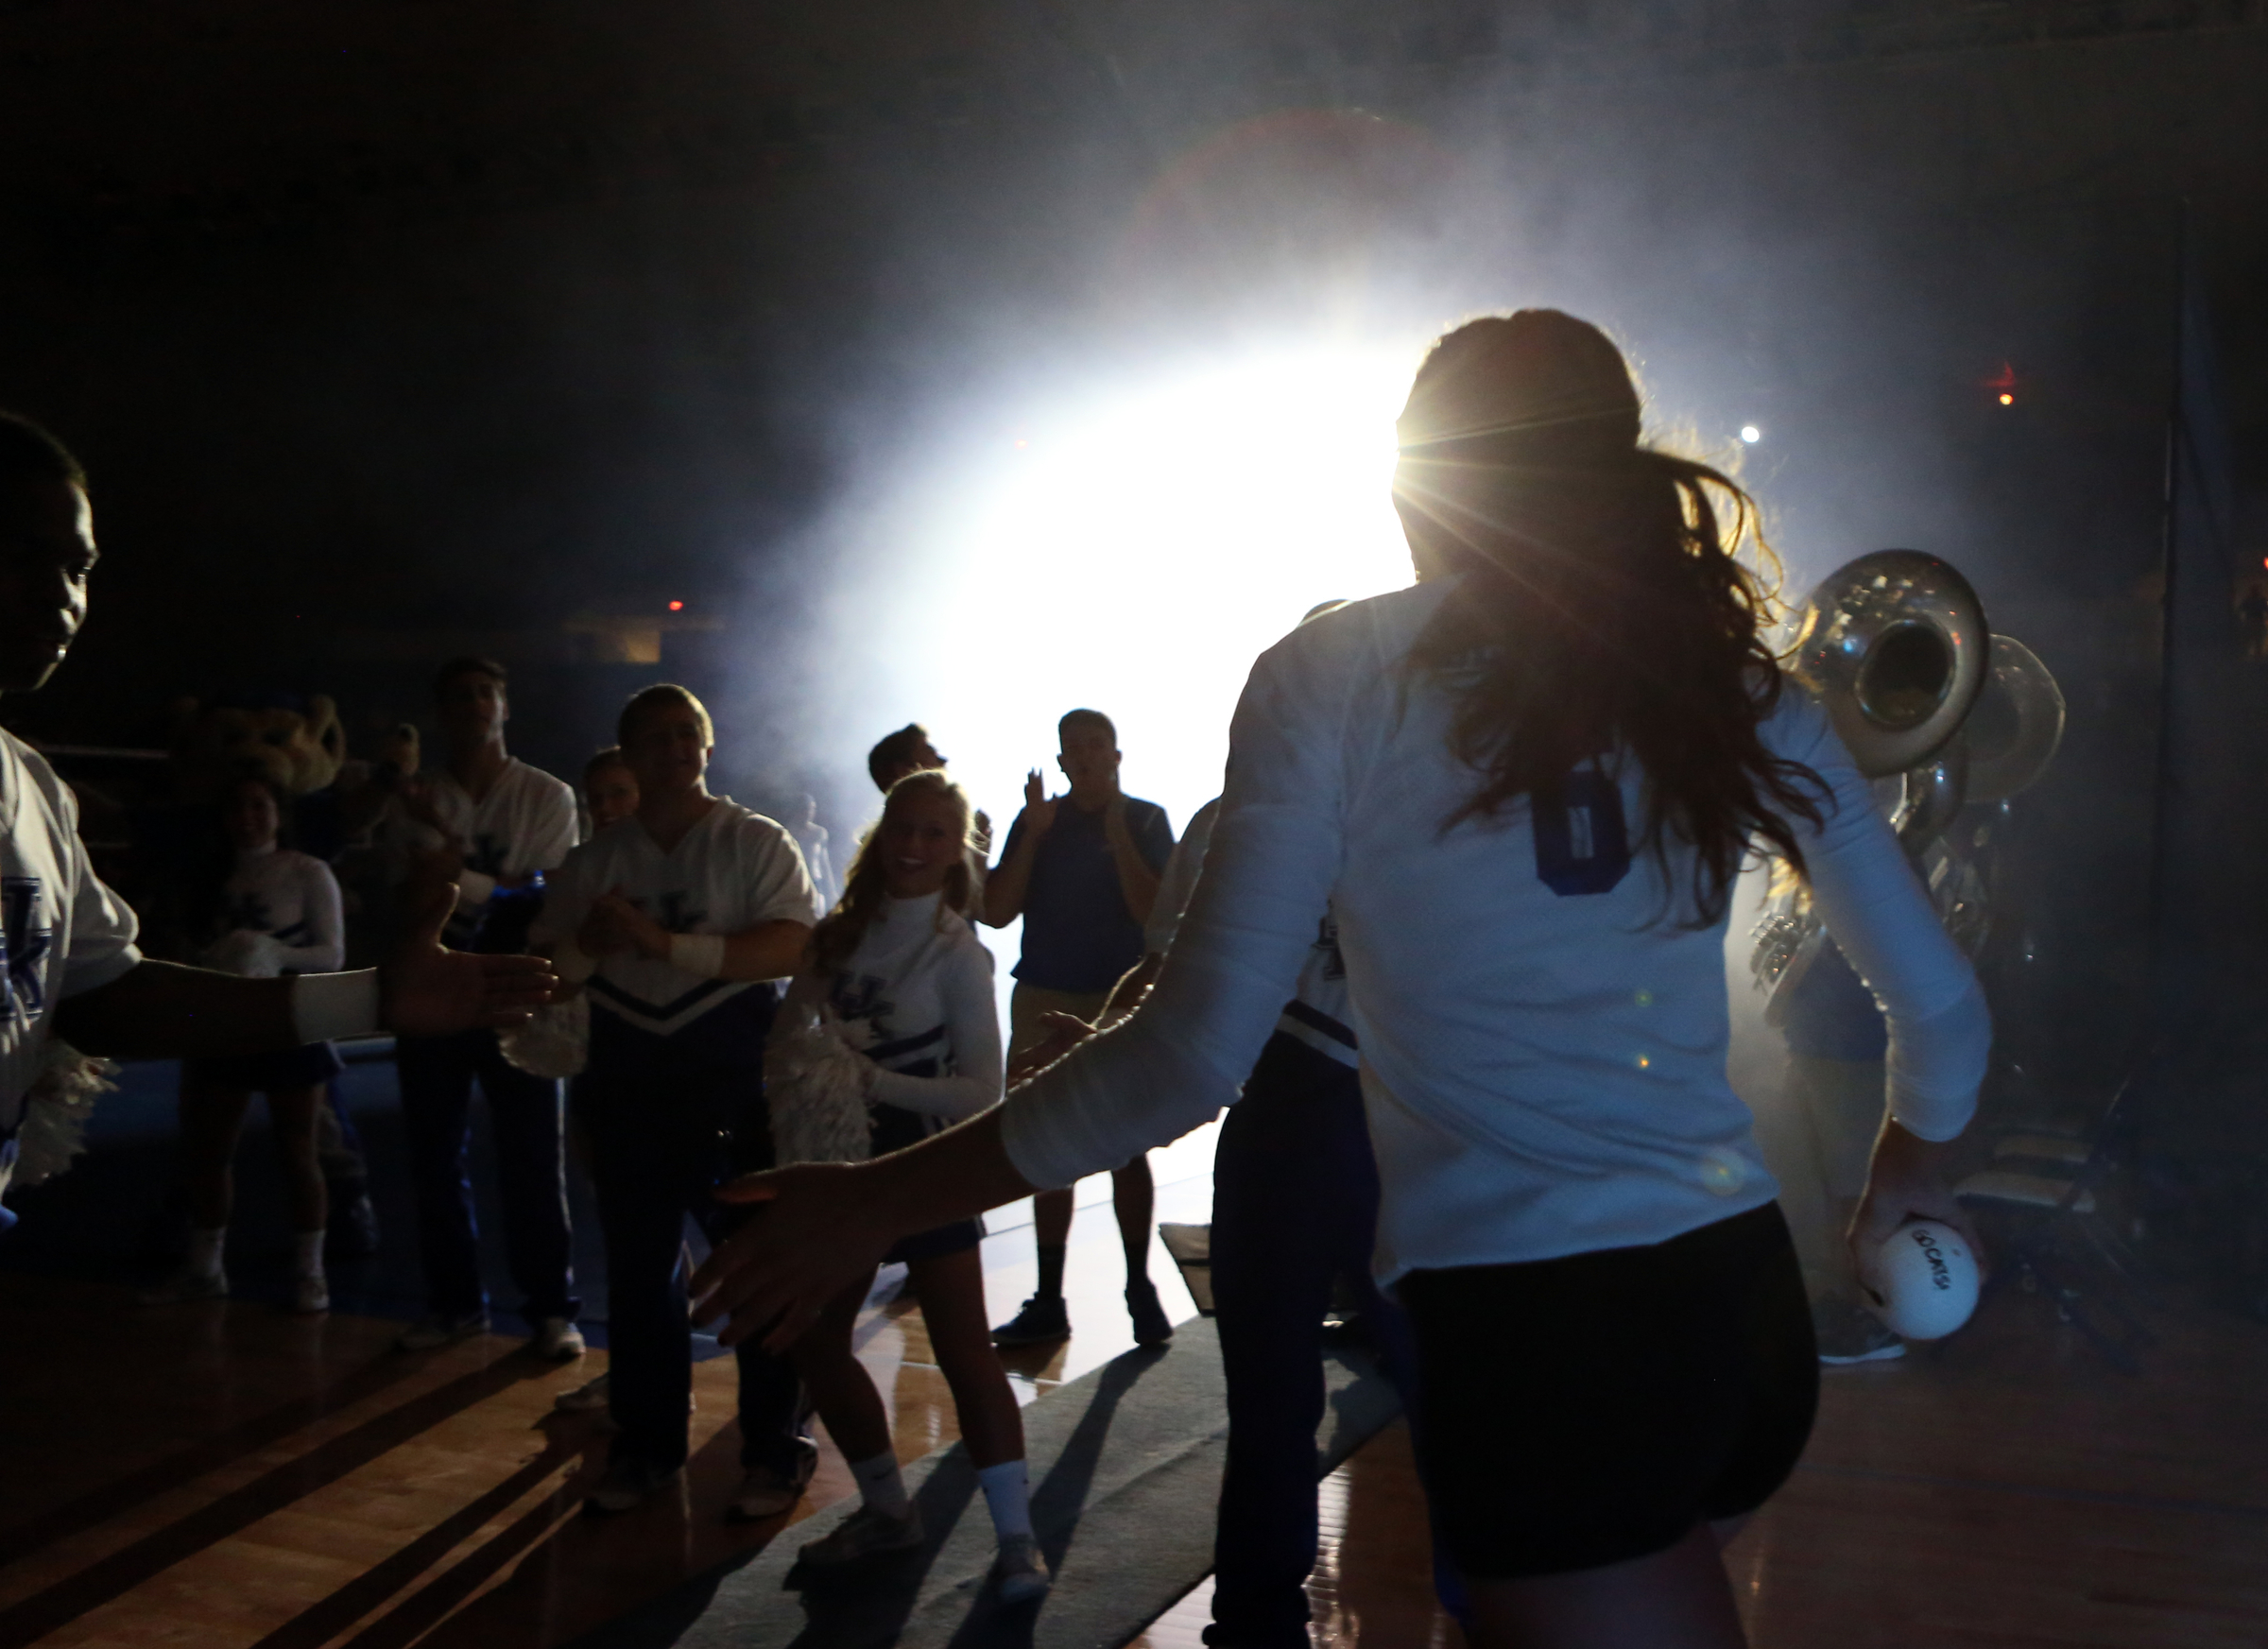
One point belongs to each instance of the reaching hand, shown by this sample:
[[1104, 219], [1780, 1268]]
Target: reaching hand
[[1907, 1180], [813, 1236], [425, 990], [1038, 811], [1065, 1031]]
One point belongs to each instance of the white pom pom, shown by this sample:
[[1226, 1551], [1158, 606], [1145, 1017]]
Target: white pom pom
[[815, 1087], [57, 1110]]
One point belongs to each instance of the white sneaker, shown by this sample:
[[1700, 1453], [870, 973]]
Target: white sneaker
[[556, 1340], [866, 1533], [309, 1296], [185, 1285], [435, 1332], [591, 1395], [1021, 1570]]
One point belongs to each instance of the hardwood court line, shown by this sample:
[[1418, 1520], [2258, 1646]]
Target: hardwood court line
[[432, 1604], [121, 1571], [368, 1591], [210, 1455], [2140, 1502]]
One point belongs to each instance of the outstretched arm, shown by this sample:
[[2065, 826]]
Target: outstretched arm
[[161, 1010], [829, 1223]]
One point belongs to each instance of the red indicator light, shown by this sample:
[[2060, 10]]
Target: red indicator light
[[677, 607]]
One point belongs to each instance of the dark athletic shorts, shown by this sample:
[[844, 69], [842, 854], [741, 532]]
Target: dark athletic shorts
[[309, 1066], [1589, 1410], [894, 1129]]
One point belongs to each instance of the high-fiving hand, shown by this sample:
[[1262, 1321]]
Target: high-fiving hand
[[814, 1234], [425, 990]]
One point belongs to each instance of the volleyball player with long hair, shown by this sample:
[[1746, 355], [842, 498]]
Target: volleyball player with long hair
[[898, 965], [1525, 787]]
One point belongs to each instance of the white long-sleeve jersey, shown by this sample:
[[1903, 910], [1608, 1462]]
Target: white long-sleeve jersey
[[1543, 1037], [921, 982]]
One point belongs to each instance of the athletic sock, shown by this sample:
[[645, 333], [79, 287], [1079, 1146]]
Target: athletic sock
[[1008, 1497], [204, 1251], [880, 1484], [1051, 1271], [307, 1253]]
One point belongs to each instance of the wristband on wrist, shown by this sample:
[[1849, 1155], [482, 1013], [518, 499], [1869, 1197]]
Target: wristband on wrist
[[326, 1006], [697, 953]]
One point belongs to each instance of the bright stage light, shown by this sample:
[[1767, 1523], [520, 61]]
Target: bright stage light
[[1750, 434], [1139, 551]]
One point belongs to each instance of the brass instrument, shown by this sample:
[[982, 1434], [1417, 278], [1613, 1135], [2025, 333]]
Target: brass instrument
[[1897, 647]]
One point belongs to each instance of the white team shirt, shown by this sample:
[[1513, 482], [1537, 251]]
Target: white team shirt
[[280, 912], [1318, 1013], [732, 871], [1543, 1048], [528, 822], [64, 931]]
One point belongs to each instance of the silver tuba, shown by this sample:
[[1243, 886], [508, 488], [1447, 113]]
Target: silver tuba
[[1896, 646]]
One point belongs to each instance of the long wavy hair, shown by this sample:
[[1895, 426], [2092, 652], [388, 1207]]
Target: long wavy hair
[[1604, 609], [835, 939]]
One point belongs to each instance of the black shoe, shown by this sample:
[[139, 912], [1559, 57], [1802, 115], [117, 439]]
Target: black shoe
[[1150, 1325], [1040, 1321]]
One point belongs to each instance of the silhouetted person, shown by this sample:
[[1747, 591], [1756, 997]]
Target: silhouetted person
[[1082, 870]]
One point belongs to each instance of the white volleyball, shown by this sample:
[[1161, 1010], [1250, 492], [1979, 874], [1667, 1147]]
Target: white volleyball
[[1923, 1280]]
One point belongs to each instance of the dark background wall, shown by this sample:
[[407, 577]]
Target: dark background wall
[[389, 328]]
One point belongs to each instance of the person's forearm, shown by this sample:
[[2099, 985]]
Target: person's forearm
[[954, 1097], [952, 1175], [163, 1011], [1137, 882], [770, 949], [1006, 884]]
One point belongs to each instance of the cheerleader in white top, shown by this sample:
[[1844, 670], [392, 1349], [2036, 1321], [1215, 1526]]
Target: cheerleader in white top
[[278, 914], [898, 973], [1524, 787]]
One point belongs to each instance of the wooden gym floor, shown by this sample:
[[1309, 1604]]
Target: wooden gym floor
[[224, 1477]]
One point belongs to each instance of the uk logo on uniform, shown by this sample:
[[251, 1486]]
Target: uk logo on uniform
[[27, 940]]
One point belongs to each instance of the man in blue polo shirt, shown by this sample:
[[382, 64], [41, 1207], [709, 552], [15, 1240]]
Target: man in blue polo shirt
[[1082, 870]]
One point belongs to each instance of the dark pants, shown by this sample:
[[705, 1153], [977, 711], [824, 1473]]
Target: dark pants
[[658, 1144], [437, 1074], [1295, 1208]]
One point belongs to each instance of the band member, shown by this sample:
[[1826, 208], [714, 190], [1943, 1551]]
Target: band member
[[1525, 786], [1081, 868], [678, 921], [73, 970], [901, 971]]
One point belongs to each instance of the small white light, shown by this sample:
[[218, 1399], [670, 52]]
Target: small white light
[[1750, 434]]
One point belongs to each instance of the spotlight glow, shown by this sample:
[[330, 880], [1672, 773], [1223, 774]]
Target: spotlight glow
[[1750, 434], [1142, 550]]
